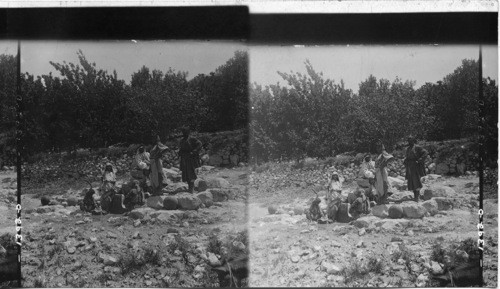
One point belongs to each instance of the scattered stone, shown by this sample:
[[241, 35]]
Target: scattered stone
[[107, 259], [395, 211], [360, 244], [431, 206], [188, 201], [330, 268], [362, 232], [217, 183], [396, 239], [206, 198], [295, 258], [221, 195], [399, 197], [438, 191], [72, 201], [271, 209], [137, 223], [170, 203], [410, 233], [213, 260], [413, 210], [436, 268], [172, 230], [80, 222], [175, 188], [45, 200], [444, 204], [71, 249]]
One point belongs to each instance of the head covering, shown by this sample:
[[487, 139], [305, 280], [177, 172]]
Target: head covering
[[412, 139]]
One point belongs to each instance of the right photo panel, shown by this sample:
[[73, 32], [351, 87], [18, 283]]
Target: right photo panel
[[365, 165]]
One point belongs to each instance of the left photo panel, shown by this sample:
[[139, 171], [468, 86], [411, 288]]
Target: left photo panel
[[135, 159], [9, 250]]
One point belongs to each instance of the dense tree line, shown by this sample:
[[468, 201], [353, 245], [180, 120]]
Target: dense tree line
[[88, 107], [317, 117]]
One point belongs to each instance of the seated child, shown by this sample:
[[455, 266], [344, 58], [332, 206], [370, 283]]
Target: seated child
[[335, 187], [367, 171]]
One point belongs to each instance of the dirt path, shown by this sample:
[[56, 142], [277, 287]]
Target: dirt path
[[68, 248], [288, 250]]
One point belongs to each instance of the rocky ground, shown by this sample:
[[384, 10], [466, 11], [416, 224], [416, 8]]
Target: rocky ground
[[8, 201], [147, 247], [374, 250]]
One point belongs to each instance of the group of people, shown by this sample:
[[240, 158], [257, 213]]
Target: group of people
[[146, 168], [375, 171], [150, 165]]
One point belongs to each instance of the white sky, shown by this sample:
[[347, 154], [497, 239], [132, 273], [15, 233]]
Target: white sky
[[126, 57], [353, 64]]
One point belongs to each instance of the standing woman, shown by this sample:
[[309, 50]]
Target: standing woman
[[157, 166], [381, 181], [189, 148], [415, 166]]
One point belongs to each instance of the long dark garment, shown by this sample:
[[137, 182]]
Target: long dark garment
[[190, 160], [415, 166]]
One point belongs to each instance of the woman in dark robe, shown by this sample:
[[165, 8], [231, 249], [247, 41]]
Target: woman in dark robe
[[189, 148], [415, 166]]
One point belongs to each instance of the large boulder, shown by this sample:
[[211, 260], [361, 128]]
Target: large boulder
[[431, 206], [155, 202], [117, 206], [395, 212], [72, 201], [444, 204], [413, 210], [381, 211], [217, 183], [175, 188], [170, 203], [206, 198], [399, 197], [200, 185], [188, 201], [45, 200], [439, 192]]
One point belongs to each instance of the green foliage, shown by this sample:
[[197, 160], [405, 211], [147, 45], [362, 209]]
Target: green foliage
[[316, 117], [90, 108]]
